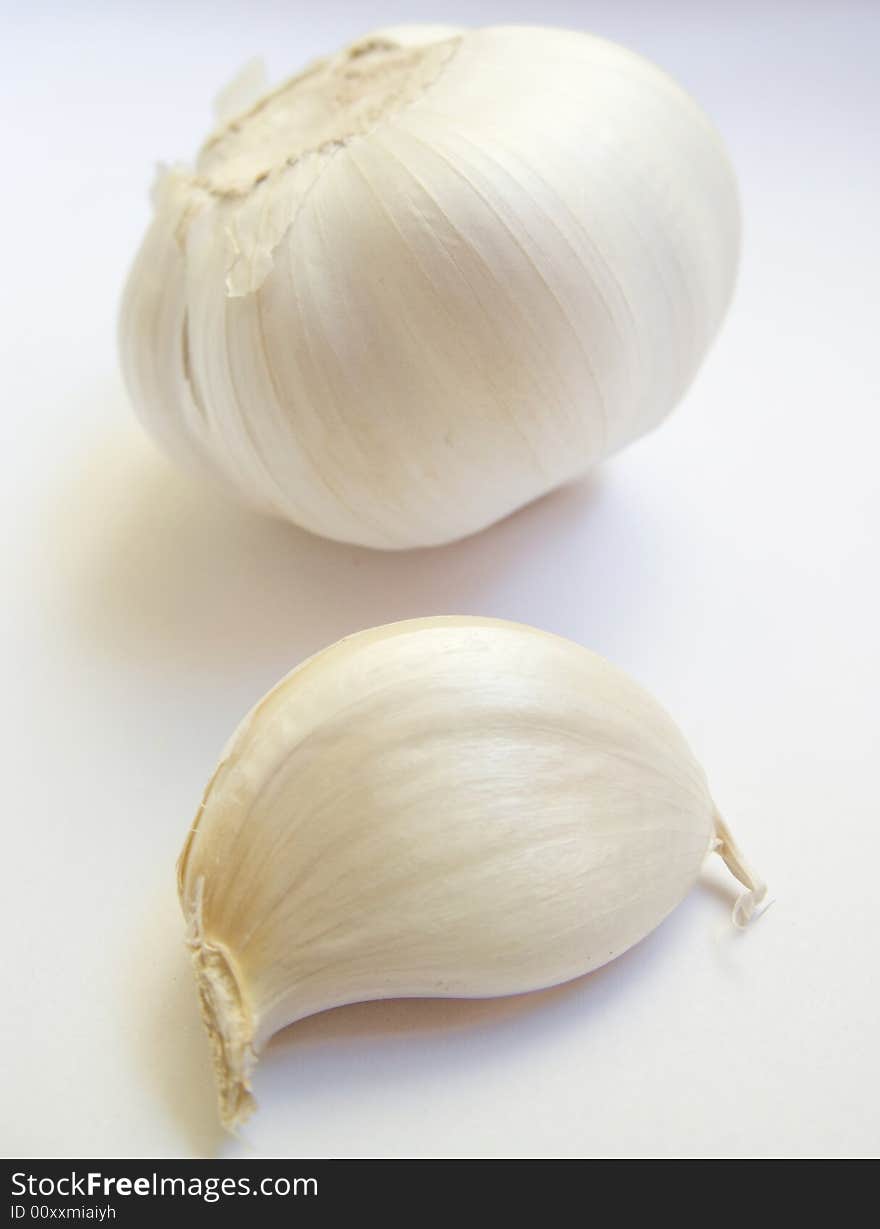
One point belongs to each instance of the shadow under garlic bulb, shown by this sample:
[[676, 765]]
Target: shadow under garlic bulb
[[455, 807], [430, 279]]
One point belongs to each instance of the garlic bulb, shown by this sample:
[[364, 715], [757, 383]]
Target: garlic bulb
[[431, 278], [452, 807]]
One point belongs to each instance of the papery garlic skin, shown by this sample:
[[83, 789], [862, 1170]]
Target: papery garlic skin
[[431, 279], [442, 807]]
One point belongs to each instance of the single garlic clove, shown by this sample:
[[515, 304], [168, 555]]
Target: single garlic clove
[[451, 806], [431, 278]]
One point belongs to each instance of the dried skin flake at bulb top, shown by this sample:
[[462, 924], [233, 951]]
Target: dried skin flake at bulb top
[[432, 278], [449, 806]]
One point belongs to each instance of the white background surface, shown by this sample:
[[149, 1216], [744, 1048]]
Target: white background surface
[[729, 562]]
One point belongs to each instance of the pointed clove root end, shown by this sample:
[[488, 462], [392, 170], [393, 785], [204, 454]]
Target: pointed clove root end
[[753, 902], [749, 906]]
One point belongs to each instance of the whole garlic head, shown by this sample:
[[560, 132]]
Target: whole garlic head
[[442, 807], [432, 278]]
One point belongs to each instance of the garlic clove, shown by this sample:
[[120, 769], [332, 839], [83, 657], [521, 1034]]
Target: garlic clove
[[455, 807]]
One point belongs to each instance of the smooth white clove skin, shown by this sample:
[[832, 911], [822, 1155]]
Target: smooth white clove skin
[[455, 807], [431, 278]]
